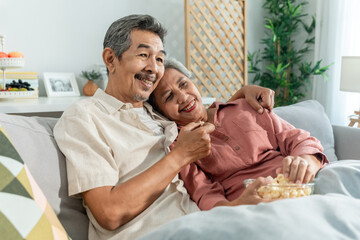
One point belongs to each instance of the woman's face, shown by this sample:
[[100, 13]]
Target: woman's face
[[179, 99]]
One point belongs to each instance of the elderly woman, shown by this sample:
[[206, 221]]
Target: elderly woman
[[245, 144]]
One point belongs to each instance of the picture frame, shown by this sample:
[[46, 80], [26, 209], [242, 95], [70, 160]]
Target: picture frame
[[60, 84]]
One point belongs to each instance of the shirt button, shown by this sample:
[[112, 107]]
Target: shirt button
[[134, 116], [226, 138], [237, 147], [218, 125]]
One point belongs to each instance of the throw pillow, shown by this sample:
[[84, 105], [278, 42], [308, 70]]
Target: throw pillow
[[24, 211], [34, 140], [310, 116]]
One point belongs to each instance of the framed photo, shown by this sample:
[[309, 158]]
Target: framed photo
[[60, 84]]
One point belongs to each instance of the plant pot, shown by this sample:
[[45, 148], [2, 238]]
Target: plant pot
[[90, 88]]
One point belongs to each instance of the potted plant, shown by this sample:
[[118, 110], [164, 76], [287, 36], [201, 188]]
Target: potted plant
[[284, 66], [90, 87]]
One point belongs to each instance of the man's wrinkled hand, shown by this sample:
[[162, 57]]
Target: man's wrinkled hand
[[194, 141], [259, 97]]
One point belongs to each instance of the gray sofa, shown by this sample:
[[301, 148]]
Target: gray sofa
[[34, 140]]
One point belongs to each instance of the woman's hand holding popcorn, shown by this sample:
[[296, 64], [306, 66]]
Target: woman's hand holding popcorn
[[250, 194], [281, 188], [300, 169]]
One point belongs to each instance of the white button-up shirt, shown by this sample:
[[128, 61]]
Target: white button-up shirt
[[105, 144]]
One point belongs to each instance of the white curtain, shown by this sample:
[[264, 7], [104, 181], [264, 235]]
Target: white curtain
[[337, 34]]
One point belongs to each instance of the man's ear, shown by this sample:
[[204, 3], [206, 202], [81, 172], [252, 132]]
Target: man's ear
[[109, 58]]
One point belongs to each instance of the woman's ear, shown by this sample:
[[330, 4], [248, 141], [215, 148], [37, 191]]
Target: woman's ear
[[109, 58]]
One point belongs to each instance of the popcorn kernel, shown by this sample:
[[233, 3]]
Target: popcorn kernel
[[277, 190]]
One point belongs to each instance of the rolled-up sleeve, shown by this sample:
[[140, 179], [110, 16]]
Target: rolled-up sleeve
[[295, 142], [202, 190], [89, 161]]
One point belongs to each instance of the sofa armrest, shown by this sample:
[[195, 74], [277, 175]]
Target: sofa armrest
[[347, 142]]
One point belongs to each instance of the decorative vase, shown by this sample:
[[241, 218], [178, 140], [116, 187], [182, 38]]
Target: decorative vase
[[90, 88]]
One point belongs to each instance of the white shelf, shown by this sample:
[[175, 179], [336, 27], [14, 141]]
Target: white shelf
[[41, 104], [48, 105]]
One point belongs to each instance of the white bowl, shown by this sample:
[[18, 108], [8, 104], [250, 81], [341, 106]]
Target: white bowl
[[278, 191]]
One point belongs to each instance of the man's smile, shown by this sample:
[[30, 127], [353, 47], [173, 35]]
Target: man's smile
[[148, 80]]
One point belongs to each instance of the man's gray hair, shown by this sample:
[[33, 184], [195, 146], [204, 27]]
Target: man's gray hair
[[117, 36], [175, 64]]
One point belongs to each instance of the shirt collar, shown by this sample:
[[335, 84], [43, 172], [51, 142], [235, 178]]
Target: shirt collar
[[218, 105], [157, 116], [110, 103], [169, 126]]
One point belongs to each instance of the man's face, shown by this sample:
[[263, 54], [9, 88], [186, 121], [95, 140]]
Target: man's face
[[179, 99], [140, 68]]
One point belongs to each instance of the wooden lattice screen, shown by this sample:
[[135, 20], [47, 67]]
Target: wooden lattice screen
[[216, 50]]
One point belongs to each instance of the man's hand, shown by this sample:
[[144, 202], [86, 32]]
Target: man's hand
[[300, 169], [258, 97], [193, 142], [250, 195]]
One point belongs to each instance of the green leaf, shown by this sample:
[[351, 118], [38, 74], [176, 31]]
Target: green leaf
[[93, 75], [283, 65], [310, 40]]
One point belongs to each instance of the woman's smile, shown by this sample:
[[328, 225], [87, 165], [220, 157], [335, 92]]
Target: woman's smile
[[189, 107]]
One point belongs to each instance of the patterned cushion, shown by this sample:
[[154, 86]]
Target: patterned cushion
[[24, 211], [34, 140]]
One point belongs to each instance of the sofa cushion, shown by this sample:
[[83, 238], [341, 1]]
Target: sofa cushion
[[34, 140], [24, 210], [310, 116]]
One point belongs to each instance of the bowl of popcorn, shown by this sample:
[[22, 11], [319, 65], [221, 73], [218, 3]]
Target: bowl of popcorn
[[280, 188]]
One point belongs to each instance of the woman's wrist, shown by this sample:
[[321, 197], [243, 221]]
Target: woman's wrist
[[223, 203]]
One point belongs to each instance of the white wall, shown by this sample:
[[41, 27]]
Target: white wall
[[255, 27], [67, 35]]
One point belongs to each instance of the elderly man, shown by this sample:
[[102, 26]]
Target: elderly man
[[117, 147]]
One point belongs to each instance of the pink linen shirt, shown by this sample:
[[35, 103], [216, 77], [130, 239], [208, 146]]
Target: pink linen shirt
[[244, 145]]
